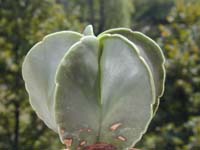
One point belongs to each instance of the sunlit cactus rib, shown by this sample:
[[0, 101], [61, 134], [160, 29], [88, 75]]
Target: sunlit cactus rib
[[123, 74], [39, 69], [152, 54], [77, 107], [92, 89]]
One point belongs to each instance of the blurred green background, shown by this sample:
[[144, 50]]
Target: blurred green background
[[174, 24]]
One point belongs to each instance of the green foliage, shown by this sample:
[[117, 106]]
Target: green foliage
[[102, 14], [22, 23], [177, 124], [118, 13], [152, 11]]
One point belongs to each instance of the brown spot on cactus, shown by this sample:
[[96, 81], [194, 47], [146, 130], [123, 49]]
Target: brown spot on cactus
[[115, 126], [82, 143], [68, 142], [85, 129], [100, 146], [121, 138], [62, 131], [89, 130], [81, 130]]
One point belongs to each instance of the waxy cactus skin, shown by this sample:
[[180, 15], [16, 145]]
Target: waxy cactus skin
[[95, 91]]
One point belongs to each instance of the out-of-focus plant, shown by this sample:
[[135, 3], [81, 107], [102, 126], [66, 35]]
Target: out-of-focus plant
[[95, 91], [23, 22], [177, 123]]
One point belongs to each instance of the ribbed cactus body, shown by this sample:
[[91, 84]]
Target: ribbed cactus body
[[95, 89]]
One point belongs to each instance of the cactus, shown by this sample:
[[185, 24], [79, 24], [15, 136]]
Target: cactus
[[95, 90]]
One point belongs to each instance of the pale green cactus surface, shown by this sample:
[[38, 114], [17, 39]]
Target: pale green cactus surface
[[95, 89]]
